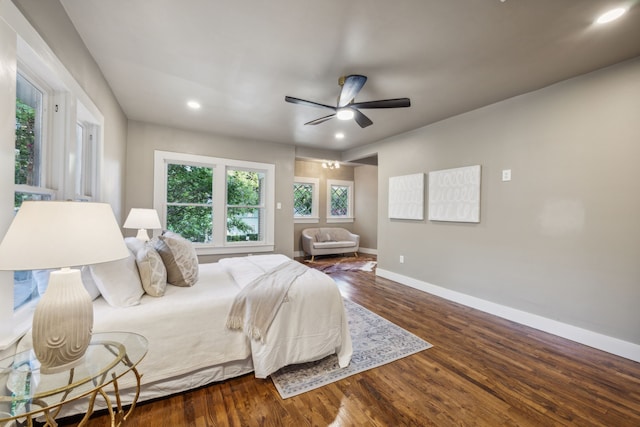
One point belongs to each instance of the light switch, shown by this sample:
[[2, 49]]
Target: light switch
[[278, 205], [506, 175]]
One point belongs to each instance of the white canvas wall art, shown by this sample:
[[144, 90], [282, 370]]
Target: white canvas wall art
[[406, 197], [454, 194]]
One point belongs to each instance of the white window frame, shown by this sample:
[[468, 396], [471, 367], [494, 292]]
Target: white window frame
[[86, 163], [47, 168], [261, 206], [219, 245], [349, 217], [315, 197]]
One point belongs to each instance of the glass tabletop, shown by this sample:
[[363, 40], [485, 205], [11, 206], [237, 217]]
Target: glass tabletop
[[25, 389]]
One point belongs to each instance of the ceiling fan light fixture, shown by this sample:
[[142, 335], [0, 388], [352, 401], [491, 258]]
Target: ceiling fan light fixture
[[345, 114]]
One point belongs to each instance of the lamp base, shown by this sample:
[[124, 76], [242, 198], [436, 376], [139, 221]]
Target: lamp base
[[143, 235], [62, 322]]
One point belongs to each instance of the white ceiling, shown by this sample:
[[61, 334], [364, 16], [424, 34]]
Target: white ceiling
[[240, 58]]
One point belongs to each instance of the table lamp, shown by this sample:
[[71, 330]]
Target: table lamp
[[46, 235], [142, 219]]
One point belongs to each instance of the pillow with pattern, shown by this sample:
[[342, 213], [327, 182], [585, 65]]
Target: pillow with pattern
[[153, 274], [179, 258]]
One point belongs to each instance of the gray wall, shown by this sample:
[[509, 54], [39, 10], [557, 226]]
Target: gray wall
[[561, 239], [366, 202], [144, 138]]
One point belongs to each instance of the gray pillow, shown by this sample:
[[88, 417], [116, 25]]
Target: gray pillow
[[179, 258]]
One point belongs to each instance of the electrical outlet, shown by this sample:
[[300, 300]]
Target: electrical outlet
[[506, 175], [401, 259]]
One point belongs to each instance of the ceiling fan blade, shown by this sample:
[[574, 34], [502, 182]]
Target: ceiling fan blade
[[321, 120], [350, 88], [293, 100], [361, 119], [384, 103]]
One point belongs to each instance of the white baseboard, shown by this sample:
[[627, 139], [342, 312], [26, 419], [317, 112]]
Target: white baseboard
[[602, 342], [368, 251]]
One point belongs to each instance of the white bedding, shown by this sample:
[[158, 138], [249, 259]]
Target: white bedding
[[186, 327], [310, 325], [190, 346]]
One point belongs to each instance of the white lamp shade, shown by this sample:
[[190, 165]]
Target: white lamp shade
[[142, 218], [47, 234]]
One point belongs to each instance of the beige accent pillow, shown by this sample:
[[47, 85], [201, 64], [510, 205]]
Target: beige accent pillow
[[179, 257], [323, 236], [153, 274]]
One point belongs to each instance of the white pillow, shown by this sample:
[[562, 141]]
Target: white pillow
[[153, 273], [42, 280], [119, 281], [134, 244], [89, 283]]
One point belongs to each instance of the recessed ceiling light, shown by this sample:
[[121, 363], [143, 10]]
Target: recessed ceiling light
[[339, 135], [611, 15], [195, 105]]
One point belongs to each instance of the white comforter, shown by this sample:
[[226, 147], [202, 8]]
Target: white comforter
[[186, 327], [310, 325]]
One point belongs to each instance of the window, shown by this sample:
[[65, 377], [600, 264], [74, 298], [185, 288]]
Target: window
[[305, 200], [339, 201], [30, 148], [245, 205], [222, 205], [44, 162], [48, 104], [86, 157], [29, 170], [190, 201]]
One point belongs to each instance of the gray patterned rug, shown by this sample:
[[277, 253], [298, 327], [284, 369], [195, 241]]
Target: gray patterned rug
[[376, 342]]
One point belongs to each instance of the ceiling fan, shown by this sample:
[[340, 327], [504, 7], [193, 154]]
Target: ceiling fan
[[346, 108]]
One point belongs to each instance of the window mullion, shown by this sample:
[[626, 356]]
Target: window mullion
[[219, 205]]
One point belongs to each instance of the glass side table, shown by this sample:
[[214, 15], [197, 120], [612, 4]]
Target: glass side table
[[26, 393]]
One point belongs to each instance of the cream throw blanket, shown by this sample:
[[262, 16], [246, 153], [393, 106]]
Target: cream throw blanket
[[257, 304]]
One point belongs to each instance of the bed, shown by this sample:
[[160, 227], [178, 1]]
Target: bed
[[191, 346]]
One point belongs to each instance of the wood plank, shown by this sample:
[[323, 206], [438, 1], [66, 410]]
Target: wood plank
[[482, 371]]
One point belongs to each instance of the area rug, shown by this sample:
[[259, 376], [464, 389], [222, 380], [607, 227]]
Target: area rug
[[376, 342], [360, 265]]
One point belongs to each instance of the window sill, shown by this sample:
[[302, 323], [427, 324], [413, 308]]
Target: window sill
[[341, 219], [234, 249], [308, 220]]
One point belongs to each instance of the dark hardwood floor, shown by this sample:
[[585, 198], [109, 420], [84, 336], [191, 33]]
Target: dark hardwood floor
[[482, 371]]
